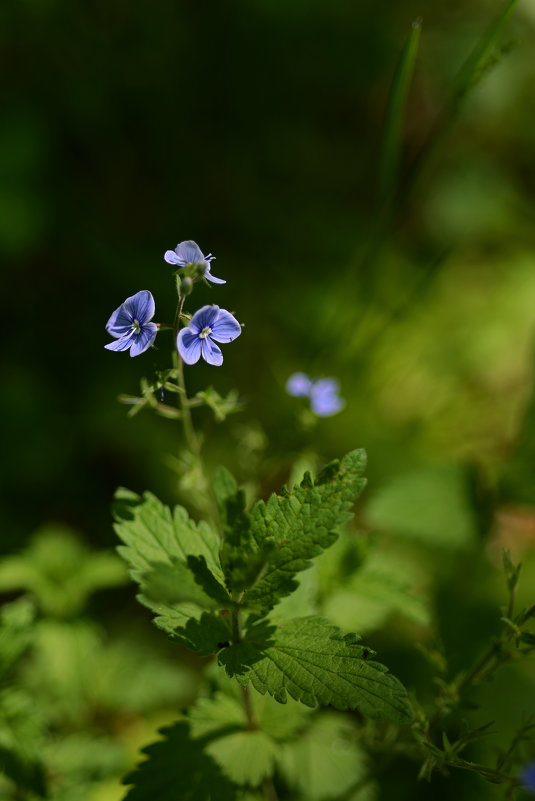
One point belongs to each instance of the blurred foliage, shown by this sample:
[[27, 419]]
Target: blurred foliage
[[256, 128]]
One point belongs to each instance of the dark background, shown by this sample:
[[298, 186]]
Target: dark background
[[255, 128]]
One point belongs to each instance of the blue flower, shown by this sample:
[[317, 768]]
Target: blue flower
[[323, 393], [528, 777], [189, 252], [207, 324], [130, 325]]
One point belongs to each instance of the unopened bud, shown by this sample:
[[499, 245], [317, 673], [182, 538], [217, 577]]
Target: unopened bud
[[186, 286]]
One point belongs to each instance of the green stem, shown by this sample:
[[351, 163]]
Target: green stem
[[483, 661], [190, 434], [268, 787]]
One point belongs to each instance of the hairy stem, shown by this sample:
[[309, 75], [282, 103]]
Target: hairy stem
[[184, 405]]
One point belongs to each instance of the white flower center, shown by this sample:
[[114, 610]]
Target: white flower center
[[136, 328], [205, 332]]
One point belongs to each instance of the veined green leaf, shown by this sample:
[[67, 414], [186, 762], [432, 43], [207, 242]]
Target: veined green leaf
[[300, 524], [314, 662], [325, 761], [174, 560]]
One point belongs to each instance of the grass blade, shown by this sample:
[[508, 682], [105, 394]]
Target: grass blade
[[391, 147]]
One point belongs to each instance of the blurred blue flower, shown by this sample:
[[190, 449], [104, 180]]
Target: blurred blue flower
[[323, 393], [207, 324], [528, 777], [188, 252], [299, 385], [130, 325]]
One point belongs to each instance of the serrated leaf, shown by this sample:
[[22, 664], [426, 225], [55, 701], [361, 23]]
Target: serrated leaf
[[220, 713], [324, 762], [207, 636], [301, 524], [178, 768], [241, 558], [171, 557], [314, 662], [147, 526], [246, 757]]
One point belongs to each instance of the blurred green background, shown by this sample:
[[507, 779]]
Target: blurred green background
[[255, 129]]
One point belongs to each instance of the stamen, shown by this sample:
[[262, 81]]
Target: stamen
[[205, 332]]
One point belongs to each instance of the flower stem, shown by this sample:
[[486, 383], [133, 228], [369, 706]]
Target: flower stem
[[189, 431], [184, 404], [268, 787]]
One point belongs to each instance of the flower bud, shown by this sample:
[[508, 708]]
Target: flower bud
[[186, 285]]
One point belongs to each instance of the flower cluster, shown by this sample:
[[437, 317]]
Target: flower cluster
[[131, 327], [322, 392]]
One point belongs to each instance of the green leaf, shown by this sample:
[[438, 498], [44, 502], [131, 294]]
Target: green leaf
[[324, 762], [21, 741], [16, 632], [220, 713], [301, 524], [207, 636], [174, 560], [312, 661], [178, 768], [241, 558], [374, 592], [224, 713], [246, 756], [60, 571], [428, 504]]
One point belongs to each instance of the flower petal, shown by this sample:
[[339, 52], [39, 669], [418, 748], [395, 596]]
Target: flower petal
[[203, 317], [144, 339], [324, 398], [141, 306], [120, 344], [209, 277], [171, 258], [211, 352], [299, 385], [225, 328], [120, 322], [188, 252], [189, 346]]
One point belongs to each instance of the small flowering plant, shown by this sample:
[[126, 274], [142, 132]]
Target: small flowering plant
[[219, 585], [195, 337]]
